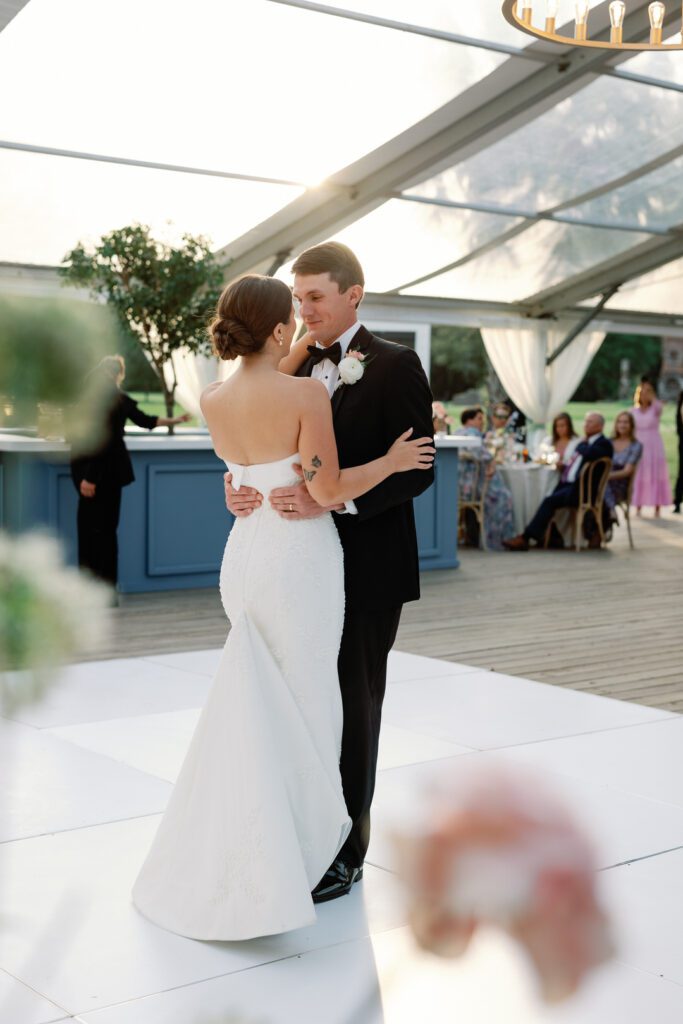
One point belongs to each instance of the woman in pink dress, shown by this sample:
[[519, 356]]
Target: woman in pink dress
[[651, 487]]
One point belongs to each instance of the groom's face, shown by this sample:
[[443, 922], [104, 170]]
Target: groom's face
[[325, 310]]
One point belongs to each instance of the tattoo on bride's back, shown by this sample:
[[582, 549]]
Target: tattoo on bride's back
[[310, 473]]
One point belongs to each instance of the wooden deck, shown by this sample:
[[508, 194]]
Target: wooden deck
[[608, 622]]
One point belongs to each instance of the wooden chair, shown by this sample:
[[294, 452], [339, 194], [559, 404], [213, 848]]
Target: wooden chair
[[625, 503], [476, 503], [592, 485]]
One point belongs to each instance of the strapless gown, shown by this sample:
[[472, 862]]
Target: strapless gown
[[258, 814]]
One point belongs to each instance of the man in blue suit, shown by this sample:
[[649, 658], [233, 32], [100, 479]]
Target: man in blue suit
[[566, 495]]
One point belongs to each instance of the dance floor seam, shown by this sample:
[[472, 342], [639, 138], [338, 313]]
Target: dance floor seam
[[86, 776]]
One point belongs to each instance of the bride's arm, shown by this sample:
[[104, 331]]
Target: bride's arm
[[296, 357], [326, 483]]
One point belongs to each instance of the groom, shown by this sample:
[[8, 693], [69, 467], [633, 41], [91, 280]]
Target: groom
[[377, 531]]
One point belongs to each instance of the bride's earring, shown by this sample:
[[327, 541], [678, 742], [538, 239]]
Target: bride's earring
[[280, 341]]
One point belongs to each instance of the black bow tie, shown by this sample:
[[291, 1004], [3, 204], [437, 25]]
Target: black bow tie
[[333, 353]]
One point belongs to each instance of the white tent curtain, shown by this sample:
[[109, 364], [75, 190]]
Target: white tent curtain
[[194, 373], [519, 358]]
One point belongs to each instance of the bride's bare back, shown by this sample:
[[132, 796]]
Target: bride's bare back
[[255, 417]]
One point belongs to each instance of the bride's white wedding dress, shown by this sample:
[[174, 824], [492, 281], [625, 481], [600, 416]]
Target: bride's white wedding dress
[[258, 814]]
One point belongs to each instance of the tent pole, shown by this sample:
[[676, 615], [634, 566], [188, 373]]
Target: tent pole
[[582, 324]]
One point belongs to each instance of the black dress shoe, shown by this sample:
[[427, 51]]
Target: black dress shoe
[[336, 881]]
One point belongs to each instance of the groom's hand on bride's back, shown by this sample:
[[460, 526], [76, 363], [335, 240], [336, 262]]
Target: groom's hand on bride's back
[[295, 502], [242, 502]]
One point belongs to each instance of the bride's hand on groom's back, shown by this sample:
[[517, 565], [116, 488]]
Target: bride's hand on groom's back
[[407, 453], [242, 502]]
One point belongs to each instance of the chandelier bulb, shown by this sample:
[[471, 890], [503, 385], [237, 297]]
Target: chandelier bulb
[[656, 12], [581, 23], [617, 11], [551, 16], [526, 11]]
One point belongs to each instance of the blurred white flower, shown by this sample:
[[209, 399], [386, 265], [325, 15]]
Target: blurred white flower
[[48, 613], [497, 849]]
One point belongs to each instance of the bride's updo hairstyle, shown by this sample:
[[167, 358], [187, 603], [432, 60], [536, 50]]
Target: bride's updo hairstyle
[[248, 312]]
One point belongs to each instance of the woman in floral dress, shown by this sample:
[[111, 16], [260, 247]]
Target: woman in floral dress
[[627, 454], [652, 486], [498, 516]]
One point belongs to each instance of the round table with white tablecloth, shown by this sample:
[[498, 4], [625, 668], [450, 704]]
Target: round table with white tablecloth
[[529, 483]]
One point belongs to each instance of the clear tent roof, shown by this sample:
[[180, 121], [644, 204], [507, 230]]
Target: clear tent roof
[[462, 160]]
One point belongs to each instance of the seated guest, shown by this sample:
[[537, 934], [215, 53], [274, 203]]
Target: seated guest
[[563, 438], [500, 414], [498, 517], [566, 495], [627, 453]]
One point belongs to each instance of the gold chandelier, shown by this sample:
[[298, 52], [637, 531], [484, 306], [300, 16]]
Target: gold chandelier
[[520, 13]]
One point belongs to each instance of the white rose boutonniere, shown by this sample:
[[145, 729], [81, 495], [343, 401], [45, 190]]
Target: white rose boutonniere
[[351, 368]]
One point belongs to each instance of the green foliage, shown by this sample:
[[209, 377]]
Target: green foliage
[[162, 295], [458, 361], [46, 349], [602, 379]]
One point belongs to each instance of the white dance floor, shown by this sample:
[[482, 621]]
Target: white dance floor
[[85, 774]]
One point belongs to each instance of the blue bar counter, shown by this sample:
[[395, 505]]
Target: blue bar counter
[[173, 518]]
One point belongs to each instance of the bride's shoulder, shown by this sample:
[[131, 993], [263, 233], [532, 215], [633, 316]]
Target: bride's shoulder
[[308, 393], [209, 391], [305, 385]]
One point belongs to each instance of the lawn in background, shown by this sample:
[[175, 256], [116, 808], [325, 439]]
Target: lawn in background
[[152, 402]]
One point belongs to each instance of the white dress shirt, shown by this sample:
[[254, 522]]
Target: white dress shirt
[[325, 370], [578, 462], [328, 373]]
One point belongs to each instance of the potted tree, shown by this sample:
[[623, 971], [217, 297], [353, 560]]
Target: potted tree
[[162, 294]]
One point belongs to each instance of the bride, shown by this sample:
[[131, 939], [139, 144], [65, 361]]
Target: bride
[[258, 814]]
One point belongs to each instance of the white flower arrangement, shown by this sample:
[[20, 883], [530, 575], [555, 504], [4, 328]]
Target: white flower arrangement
[[351, 368], [48, 612]]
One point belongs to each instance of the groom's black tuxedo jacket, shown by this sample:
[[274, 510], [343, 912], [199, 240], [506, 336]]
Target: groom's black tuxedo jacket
[[380, 543]]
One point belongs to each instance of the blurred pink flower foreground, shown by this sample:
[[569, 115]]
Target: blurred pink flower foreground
[[496, 850]]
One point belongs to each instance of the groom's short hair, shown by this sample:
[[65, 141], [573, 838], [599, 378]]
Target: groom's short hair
[[334, 259]]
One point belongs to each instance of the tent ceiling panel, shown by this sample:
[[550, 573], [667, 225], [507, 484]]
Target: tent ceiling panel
[[403, 241], [235, 88], [48, 204], [665, 66], [607, 128], [653, 201], [480, 20], [661, 291], [9, 9], [237, 98], [540, 258]]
